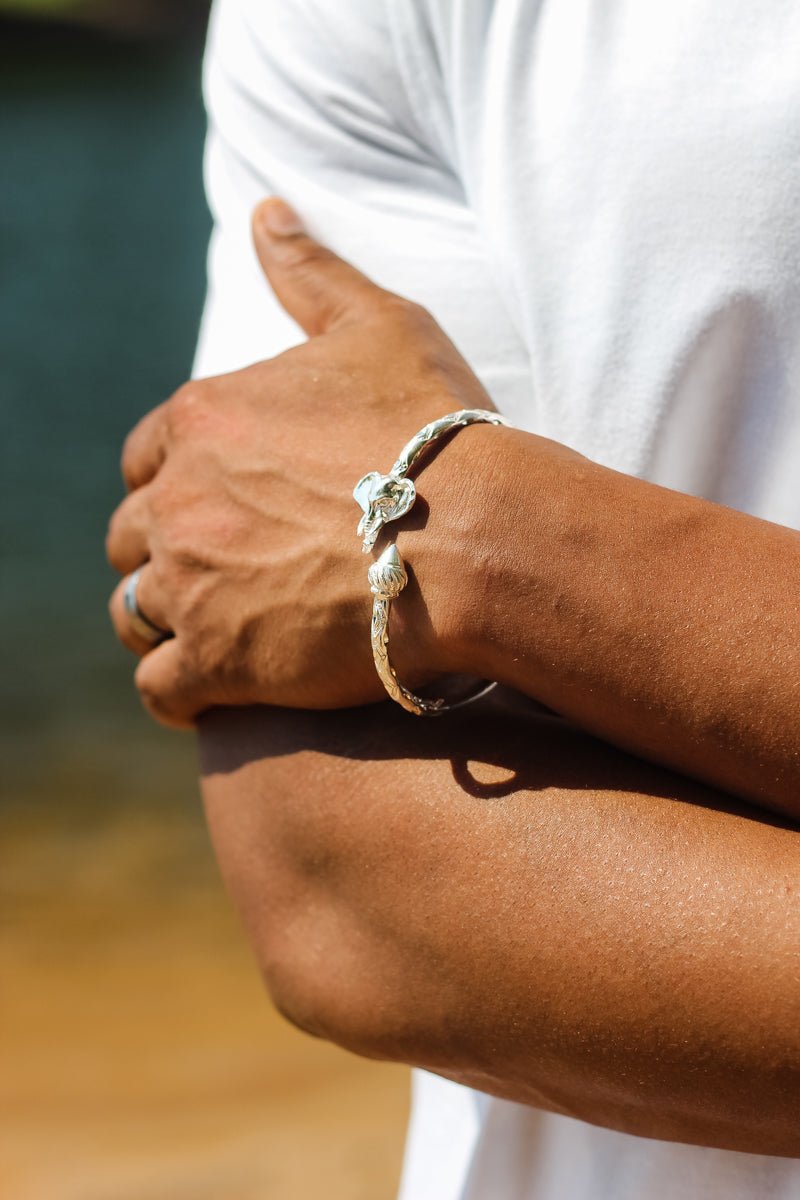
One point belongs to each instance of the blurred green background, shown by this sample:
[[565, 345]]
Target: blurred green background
[[103, 230], [140, 1059]]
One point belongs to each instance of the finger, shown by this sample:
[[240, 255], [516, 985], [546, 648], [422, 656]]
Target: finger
[[148, 604], [145, 448], [316, 287], [127, 538], [169, 690]]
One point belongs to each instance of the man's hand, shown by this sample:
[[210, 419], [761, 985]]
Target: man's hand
[[241, 504], [660, 622]]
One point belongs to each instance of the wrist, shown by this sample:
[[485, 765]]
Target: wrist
[[449, 543], [502, 510]]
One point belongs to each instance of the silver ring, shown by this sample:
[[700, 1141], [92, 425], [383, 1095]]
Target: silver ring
[[141, 625]]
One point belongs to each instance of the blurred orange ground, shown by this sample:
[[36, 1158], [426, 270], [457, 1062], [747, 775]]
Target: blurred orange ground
[[140, 1057]]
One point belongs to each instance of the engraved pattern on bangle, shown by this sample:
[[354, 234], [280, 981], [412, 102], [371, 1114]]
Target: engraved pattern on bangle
[[387, 579], [385, 498]]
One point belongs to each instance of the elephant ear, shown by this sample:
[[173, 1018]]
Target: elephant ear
[[364, 489], [398, 499], [383, 498], [385, 495]]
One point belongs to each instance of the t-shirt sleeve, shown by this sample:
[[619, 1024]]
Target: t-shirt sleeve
[[305, 100]]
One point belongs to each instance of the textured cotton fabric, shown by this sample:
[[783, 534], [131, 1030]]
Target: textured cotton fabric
[[600, 202]]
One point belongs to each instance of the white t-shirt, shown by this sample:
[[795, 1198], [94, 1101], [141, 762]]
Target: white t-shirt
[[600, 202]]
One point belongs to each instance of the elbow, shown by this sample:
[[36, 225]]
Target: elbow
[[327, 986]]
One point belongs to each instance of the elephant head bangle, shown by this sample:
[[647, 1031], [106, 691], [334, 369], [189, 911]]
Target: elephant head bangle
[[385, 498]]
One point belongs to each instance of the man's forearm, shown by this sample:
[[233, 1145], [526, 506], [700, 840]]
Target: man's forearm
[[663, 623], [515, 905], [657, 621]]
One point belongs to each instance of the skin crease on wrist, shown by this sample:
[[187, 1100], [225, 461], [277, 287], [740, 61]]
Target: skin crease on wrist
[[507, 902]]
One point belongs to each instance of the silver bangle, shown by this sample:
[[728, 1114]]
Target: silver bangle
[[385, 498]]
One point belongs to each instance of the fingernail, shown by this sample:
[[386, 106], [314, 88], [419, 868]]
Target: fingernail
[[278, 219]]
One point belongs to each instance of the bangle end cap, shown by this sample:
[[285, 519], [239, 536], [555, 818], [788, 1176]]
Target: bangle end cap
[[387, 575]]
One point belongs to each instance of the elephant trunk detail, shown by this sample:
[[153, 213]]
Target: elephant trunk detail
[[383, 498]]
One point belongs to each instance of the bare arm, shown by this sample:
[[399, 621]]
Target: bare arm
[[663, 623], [660, 622], [584, 933], [514, 905]]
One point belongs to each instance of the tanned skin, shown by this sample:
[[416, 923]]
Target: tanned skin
[[517, 906], [575, 929]]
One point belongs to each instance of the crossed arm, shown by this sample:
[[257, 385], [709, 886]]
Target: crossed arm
[[662, 623], [519, 907], [606, 940]]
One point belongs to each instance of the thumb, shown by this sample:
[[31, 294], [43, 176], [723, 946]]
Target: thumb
[[316, 287]]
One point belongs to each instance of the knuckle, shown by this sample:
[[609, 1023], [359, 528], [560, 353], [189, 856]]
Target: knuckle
[[111, 541], [181, 553], [405, 309], [128, 456], [175, 513], [415, 317], [154, 701], [115, 541], [162, 497], [161, 697], [187, 406], [147, 686]]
